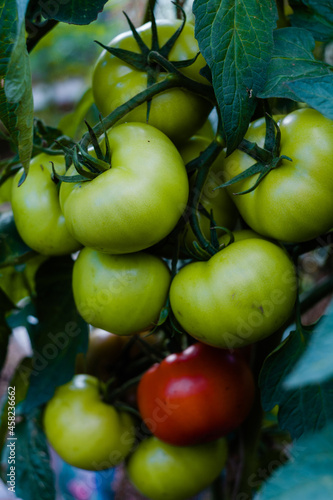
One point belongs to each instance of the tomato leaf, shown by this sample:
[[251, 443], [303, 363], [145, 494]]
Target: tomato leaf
[[13, 250], [236, 39], [71, 11], [301, 409], [315, 365], [32, 461], [292, 60], [317, 92], [16, 104], [59, 335], [308, 474], [316, 17]]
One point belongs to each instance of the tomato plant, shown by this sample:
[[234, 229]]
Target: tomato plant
[[185, 197], [162, 471], [215, 203], [208, 393]]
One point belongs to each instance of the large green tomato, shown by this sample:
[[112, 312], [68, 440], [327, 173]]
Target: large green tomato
[[36, 208], [135, 203], [244, 293], [218, 201], [86, 432], [122, 294], [294, 201], [161, 471], [177, 112]]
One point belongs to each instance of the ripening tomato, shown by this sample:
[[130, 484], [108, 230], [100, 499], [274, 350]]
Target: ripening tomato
[[122, 294], [136, 202], [176, 112], [196, 396], [36, 208], [83, 430], [161, 471], [294, 201], [242, 294]]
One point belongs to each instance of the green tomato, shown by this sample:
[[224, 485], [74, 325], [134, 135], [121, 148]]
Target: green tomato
[[83, 430], [218, 201], [6, 190], [161, 471], [36, 208], [244, 293], [135, 203], [177, 112], [122, 294], [294, 201]]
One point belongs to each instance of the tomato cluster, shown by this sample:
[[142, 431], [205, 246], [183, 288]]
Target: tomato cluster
[[156, 250]]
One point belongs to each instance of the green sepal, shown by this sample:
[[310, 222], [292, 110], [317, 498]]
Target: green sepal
[[200, 252], [134, 59], [90, 173], [142, 46], [67, 178], [167, 47], [94, 164], [94, 141], [229, 233]]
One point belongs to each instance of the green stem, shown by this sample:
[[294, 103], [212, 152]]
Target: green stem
[[171, 81], [127, 408], [149, 9], [250, 431], [206, 159], [120, 390], [309, 299]]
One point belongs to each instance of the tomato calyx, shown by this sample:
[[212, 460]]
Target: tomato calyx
[[87, 166], [143, 61], [152, 60], [267, 158]]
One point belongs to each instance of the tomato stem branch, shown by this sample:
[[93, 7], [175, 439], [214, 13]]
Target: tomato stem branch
[[319, 292], [205, 161], [250, 431], [171, 81]]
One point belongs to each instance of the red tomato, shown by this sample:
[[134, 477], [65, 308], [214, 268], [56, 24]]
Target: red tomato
[[196, 396]]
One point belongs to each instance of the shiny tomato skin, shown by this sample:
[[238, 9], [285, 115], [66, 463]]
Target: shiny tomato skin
[[161, 471], [196, 396], [176, 112], [294, 202]]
